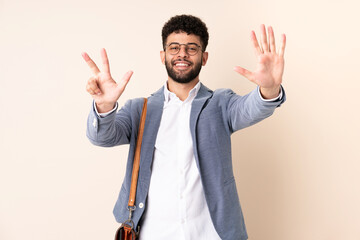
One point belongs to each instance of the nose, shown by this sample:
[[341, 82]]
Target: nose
[[183, 51]]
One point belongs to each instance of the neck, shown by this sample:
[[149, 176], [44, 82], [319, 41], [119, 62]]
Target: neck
[[181, 90]]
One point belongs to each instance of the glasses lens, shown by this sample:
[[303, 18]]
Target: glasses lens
[[192, 49], [173, 48]]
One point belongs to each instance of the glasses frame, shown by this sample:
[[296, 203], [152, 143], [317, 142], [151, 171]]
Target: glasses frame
[[186, 48]]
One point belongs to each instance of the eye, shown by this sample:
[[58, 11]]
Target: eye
[[192, 48]]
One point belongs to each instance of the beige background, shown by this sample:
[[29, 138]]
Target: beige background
[[297, 172]]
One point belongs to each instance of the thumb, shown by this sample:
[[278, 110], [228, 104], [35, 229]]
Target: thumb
[[124, 81], [246, 73]]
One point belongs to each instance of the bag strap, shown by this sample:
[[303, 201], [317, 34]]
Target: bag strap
[[136, 164]]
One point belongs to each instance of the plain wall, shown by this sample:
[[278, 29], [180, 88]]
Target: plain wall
[[297, 172]]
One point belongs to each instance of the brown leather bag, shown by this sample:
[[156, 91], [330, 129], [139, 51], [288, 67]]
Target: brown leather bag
[[126, 230]]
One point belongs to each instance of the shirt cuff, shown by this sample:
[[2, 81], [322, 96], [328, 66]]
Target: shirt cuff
[[102, 115], [273, 99]]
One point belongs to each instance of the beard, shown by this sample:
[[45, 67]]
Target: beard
[[181, 76]]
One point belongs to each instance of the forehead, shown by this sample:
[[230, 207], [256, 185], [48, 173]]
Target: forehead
[[183, 38]]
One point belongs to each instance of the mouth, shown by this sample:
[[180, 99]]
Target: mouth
[[182, 65]]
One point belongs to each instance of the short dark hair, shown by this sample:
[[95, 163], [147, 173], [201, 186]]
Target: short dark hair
[[188, 24]]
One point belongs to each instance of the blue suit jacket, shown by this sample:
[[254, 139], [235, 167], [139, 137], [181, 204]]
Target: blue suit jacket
[[215, 115]]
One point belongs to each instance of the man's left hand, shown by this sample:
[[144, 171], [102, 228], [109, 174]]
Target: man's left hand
[[270, 64]]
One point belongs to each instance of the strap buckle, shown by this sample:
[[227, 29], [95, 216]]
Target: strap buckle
[[129, 221]]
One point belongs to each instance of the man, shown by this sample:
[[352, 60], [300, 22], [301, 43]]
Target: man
[[186, 188]]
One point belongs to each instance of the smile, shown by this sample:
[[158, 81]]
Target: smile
[[182, 64]]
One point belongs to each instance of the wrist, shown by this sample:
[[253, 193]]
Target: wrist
[[270, 93], [104, 107]]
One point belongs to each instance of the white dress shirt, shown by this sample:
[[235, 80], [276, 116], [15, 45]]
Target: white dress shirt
[[176, 207]]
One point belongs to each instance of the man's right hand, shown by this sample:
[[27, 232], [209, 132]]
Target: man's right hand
[[102, 87]]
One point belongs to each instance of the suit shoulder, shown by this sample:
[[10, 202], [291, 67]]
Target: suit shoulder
[[223, 93], [132, 106], [134, 102]]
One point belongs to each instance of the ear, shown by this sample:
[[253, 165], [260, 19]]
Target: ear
[[162, 57], [205, 56]]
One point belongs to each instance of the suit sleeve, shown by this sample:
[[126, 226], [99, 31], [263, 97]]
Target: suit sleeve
[[244, 111], [112, 130]]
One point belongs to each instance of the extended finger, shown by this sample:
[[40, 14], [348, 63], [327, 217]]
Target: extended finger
[[272, 40], [124, 81], [282, 47], [264, 43], [92, 86], [105, 61], [255, 42], [246, 73], [91, 63]]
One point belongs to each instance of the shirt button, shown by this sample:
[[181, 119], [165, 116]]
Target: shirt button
[[94, 123], [181, 172], [182, 221], [141, 205], [181, 196]]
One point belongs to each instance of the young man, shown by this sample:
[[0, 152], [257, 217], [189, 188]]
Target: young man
[[186, 187]]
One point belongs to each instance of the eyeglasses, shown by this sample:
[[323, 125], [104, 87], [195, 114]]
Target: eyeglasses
[[191, 48]]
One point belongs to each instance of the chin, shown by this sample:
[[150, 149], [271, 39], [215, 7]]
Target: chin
[[183, 80]]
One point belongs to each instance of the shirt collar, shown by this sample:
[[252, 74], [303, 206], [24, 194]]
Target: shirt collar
[[170, 95]]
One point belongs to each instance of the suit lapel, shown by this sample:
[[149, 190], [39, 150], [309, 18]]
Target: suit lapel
[[197, 105], [153, 117]]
